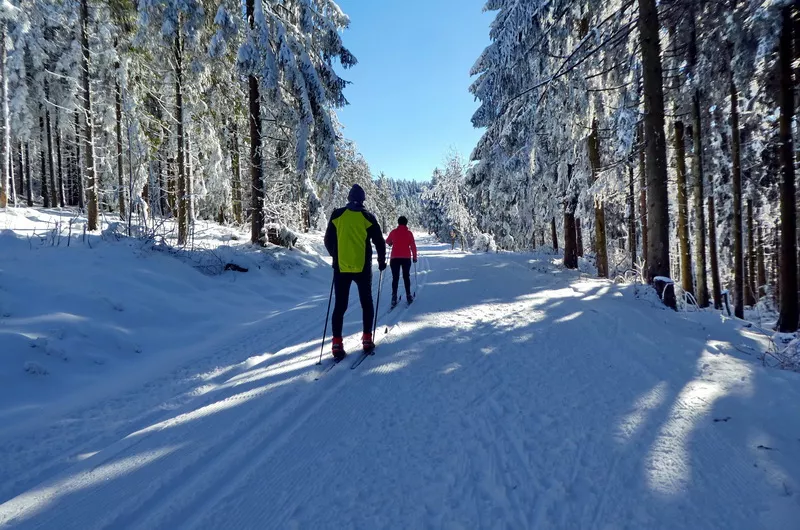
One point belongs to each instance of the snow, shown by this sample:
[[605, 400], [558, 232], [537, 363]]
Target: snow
[[511, 393]]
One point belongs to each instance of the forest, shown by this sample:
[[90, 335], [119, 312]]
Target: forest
[[653, 139], [656, 137]]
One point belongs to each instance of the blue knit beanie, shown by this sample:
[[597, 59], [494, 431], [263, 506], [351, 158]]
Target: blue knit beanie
[[357, 194]]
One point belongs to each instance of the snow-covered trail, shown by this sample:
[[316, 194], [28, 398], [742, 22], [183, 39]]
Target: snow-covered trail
[[509, 395]]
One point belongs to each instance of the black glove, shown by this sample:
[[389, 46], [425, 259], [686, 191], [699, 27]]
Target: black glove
[[415, 260], [382, 265]]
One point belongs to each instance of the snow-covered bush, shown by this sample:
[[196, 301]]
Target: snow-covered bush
[[281, 235], [485, 243]]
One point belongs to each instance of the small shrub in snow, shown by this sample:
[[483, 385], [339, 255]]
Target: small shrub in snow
[[485, 243], [785, 357], [35, 368], [281, 235]]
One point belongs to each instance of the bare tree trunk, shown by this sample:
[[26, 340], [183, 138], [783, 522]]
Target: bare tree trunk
[[81, 195], [120, 169], [579, 237], [643, 196], [60, 162], [256, 169], [236, 186], [20, 169], [189, 184], [599, 210], [632, 218], [762, 269], [750, 291], [570, 243], [700, 230], [554, 234], [656, 146], [788, 321], [28, 177], [716, 286], [5, 138], [182, 199], [50, 158], [88, 121], [776, 258], [43, 159], [738, 256], [687, 282]]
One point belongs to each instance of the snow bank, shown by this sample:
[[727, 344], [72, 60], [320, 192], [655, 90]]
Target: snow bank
[[76, 310]]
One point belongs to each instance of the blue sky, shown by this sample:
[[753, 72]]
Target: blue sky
[[409, 102]]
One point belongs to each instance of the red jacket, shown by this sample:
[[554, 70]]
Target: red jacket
[[402, 242]]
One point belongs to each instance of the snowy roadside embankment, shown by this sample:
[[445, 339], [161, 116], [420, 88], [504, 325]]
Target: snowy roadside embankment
[[83, 315]]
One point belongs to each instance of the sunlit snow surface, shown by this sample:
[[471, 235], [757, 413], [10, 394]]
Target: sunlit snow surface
[[510, 394]]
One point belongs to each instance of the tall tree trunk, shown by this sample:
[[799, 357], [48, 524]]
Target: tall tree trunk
[[189, 184], [28, 176], [256, 169], [554, 233], [790, 314], [762, 269], [120, 169], [579, 236], [738, 251], [716, 286], [236, 186], [655, 144], [20, 169], [60, 162], [183, 231], [163, 196], [700, 230], [5, 138], [50, 157], [643, 195], [79, 190], [88, 121], [750, 291], [570, 243], [632, 217], [599, 210], [687, 282], [43, 159], [776, 258]]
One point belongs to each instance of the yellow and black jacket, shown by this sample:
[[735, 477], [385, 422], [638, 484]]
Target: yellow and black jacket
[[348, 236]]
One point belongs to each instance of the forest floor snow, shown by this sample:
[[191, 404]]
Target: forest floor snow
[[510, 394]]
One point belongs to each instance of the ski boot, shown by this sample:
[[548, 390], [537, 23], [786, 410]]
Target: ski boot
[[394, 302], [338, 349], [409, 299], [367, 344]]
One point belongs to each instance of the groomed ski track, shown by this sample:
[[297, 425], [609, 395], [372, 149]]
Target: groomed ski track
[[510, 394]]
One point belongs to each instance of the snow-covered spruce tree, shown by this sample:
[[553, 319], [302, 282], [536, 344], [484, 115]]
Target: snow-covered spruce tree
[[177, 28], [8, 13], [444, 202], [555, 69], [288, 50], [352, 169], [543, 82]]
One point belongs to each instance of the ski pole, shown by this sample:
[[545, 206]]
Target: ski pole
[[377, 304], [327, 315], [416, 281]]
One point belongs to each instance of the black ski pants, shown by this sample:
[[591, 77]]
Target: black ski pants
[[396, 264], [341, 286]]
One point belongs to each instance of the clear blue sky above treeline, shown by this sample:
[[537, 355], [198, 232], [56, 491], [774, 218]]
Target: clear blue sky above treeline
[[409, 98]]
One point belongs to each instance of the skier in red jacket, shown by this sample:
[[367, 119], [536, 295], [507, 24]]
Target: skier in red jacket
[[404, 250]]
